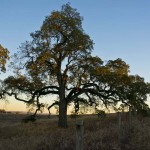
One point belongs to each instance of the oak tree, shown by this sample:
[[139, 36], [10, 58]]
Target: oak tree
[[58, 61]]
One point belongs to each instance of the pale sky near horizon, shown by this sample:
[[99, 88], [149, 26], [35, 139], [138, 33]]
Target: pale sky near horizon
[[119, 29]]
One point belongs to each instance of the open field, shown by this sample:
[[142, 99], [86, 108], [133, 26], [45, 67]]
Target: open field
[[100, 134]]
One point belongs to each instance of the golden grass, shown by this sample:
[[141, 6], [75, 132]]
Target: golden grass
[[100, 134]]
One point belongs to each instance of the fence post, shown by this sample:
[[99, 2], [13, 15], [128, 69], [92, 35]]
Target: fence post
[[79, 135], [119, 127]]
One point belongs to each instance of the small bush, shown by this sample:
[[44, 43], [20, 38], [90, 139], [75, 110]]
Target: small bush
[[2, 111], [101, 113], [29, 119]]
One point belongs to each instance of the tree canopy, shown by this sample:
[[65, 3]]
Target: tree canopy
[[59, 61], [4, 56]]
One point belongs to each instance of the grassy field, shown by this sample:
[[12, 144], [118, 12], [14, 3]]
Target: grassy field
[[100, 134]]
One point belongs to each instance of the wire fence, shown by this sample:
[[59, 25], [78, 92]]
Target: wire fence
[[122, 131]]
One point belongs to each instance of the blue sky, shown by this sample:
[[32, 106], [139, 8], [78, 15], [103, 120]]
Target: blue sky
[[119, 28]]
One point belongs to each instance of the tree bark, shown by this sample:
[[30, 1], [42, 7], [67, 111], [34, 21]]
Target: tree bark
[[62, 114], [62, 107], [62, 102]]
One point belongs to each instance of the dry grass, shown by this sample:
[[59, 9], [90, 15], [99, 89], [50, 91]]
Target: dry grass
[[100, 134]]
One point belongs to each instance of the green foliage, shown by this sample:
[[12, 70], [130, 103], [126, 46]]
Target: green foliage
[[4, 56]]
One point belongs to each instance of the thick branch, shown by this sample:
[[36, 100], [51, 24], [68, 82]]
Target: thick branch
[[17, 98]]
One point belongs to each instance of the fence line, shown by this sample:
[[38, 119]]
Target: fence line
[[79, 135]]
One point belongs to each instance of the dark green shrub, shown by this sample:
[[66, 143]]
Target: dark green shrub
[[29, 119]]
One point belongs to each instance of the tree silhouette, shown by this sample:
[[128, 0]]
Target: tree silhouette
[[58, 61]]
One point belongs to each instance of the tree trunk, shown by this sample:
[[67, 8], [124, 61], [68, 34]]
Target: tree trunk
[[62, 101], [62, 108], [62, 114]]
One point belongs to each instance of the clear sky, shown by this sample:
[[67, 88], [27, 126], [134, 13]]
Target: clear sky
[[119, 28]]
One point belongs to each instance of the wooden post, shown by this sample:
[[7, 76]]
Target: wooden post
[[119, 127], [79, 135]]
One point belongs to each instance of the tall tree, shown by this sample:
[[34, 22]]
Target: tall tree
[[58, 61]]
